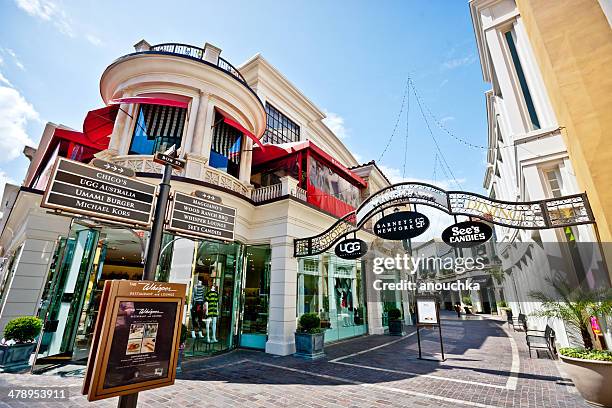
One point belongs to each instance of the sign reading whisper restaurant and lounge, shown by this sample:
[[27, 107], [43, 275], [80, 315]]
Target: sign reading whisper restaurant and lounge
[[201, 217], [81, 189]]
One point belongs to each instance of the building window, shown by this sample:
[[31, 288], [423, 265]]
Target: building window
[[226, 147], [280, 129], [520, 74], [554, 182], [157, 128]]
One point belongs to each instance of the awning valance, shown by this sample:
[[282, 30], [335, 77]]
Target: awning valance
[[150, 100], [239, 127], [99, 123]]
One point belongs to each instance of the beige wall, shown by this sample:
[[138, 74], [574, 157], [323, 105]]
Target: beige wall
[[572, 41]]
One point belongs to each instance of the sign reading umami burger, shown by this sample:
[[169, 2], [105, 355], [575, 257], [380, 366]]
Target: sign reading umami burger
[[351, 248], [200, 217], [81, 189], [401, 225], [467, 234]]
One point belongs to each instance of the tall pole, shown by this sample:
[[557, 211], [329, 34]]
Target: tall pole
[[157, 230]]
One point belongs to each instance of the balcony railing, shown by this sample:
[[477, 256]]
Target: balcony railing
[[197, 53], [275, 191]]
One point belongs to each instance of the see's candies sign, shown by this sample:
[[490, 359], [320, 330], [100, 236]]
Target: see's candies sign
[[467, 234]]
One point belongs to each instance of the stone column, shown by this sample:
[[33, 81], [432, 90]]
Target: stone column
[[283, 286], [120, 139], [181, 266], [288, 185], [196, 161], [245, 160], [374, 304]]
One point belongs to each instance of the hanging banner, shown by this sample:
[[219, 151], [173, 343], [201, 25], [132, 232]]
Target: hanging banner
[[401, 225], [467, 234], [85, 190], [136, 338], [201, 218], [352, 248]]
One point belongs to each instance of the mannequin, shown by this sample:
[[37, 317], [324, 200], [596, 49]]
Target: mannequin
[[212, 312], [197, 308]]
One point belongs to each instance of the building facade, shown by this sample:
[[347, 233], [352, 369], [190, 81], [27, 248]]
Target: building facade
[[250, 138], [529, 158]]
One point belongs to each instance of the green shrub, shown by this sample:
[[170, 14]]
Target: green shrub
[[23, 329], [584, 354], [310, 323], [394, 314], [502, 304], [467, 300]]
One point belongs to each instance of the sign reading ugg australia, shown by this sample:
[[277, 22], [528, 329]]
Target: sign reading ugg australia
[[201, 217], [85, 190]]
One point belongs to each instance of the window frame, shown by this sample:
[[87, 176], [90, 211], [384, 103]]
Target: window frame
[[134, 125], [276, 119]]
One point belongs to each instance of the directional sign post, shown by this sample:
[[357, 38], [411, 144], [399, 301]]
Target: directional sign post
[[81, 189], [201, 218]]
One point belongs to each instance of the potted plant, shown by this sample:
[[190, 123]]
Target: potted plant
[[396, 326], [309, 337], [18, 343], [589, 369], [182, 341], [503, 308]]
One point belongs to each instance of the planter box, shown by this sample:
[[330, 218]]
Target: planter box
[[16, 357], [396, 328], [309, 345], [592, 379]]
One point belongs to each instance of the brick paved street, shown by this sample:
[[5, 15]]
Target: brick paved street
[[365, 372]]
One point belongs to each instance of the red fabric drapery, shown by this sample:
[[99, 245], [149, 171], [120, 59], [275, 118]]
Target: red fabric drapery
[[245, 131]]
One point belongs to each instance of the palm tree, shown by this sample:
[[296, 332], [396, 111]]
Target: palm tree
[[575, 306]]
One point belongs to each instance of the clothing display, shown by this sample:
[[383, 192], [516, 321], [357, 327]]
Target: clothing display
[[198, 293], [212, 299]]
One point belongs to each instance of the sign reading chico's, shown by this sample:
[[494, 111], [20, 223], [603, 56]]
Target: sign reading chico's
[[352, 248], [401, 225], [467, 234], [201, 217], [81, 189]]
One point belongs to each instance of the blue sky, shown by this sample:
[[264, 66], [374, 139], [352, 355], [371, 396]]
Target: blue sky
[[351, 58]]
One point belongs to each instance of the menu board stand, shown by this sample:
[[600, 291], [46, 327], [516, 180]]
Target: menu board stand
[[136, 340], [428, 315]]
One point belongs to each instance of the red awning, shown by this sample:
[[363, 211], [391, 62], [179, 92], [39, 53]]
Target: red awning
[[80, 138], [241, 128], [274, 152], [151, 100], [99, 123]]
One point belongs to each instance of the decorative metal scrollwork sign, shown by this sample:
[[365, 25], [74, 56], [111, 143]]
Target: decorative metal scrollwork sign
[[532, 215]]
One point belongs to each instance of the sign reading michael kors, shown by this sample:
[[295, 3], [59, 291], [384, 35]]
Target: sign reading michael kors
[[201, 217], [81, 189]]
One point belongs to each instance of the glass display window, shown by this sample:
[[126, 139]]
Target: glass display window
[[333, 288], [255, 297]]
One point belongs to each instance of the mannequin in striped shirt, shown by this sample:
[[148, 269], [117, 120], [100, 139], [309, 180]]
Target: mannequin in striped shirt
[[197, 308]]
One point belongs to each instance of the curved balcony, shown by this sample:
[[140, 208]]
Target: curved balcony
[[208, 55]]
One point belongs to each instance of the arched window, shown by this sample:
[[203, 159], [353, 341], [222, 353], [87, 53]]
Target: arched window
[[157, 128]]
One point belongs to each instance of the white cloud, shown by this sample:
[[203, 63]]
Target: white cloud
[[395, 176], [446, 119], [14, 57], [50, 11], [15, 112], [5, 81], [94, 40], [458, 62], [336, 124], [357, 157]]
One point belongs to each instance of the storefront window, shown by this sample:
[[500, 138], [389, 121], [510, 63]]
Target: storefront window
[[212, 300], [333, 288], [226, 147], [256, 297], [157, 128]]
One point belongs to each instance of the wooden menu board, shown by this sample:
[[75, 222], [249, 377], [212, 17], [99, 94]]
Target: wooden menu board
[[136, 338]]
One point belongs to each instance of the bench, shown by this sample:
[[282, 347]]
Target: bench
[[541, 340], [519, 322]]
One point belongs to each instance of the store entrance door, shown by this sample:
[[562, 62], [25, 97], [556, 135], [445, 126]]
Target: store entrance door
[[85, 260]]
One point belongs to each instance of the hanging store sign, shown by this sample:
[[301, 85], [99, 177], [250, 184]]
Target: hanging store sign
[[136, 338], [81, 189], [415, 193], [201, 218], [401, 225], [467, 234], [352, 248]]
